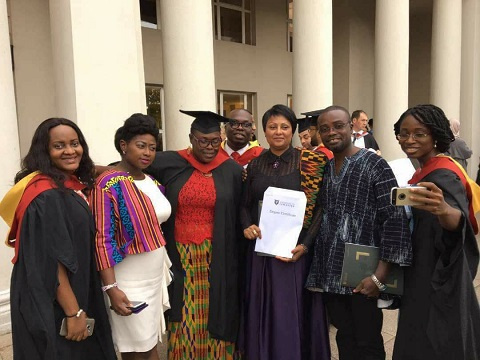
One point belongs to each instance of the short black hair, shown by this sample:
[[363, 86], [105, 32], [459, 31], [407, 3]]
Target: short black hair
[[280, 110], [335, 107], [356, 114], [38, 156], [434, 119], [137, 124]]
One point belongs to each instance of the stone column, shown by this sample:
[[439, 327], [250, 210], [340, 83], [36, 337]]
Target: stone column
[[98, 65], [10, 150], [312, 55], [470, 82], [188, 65], [391, 72], [446, 56]]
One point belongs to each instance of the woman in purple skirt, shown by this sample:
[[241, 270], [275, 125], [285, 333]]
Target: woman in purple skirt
[[282, 319]]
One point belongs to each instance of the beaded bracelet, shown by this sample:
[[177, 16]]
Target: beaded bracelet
[[108, 287]]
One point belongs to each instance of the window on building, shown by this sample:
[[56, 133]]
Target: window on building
[[290, 101], [234, 21], [290, 25], [148, 13], [155, 101], [229, 100]]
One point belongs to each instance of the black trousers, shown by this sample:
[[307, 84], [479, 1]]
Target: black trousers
[[359, 324]]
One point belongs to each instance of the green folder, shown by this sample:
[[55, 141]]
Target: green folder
[[361, 261]]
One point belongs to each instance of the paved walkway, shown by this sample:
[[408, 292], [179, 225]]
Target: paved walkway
[[389, 331]]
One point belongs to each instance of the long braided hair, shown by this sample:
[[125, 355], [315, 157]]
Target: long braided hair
[[435, 120]]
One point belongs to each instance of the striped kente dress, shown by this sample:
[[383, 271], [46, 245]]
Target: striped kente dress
[[189, 338]]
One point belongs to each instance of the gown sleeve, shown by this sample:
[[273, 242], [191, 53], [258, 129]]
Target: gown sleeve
[[247, 199], [44, 242]]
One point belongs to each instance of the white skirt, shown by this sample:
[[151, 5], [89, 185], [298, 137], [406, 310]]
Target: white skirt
[[142, 277]]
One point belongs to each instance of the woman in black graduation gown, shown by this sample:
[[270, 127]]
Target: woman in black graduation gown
[[439, 314], [54, 274], [204, 187]]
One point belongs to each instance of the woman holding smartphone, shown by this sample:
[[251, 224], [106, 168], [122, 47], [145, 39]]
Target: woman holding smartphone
[[129, 207], [54, 279], [439, 313]]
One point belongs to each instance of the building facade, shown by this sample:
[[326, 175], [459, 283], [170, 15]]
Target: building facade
[[97, 61]]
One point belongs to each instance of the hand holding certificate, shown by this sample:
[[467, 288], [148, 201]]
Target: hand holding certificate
[[281, 221]]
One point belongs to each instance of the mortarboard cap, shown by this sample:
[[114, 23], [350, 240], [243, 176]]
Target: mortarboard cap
[[205, 121], [303, 124], [314, 113]]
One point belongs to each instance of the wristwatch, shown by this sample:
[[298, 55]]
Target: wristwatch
[[381, 287]]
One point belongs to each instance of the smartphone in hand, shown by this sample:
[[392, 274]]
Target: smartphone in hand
[[400, 196], [90, 326], [137, 306]]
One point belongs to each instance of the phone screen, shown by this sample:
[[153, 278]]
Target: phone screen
[[137, 306]]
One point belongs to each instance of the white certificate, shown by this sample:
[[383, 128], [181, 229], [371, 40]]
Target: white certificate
[[281, 221], [403, 170]]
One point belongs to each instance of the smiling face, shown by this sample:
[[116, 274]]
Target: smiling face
[[278, 133], [240, 134], [335, 130], [65, 149], [139, 151], [205, 146], [422, 147]]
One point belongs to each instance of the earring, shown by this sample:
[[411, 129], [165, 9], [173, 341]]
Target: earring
[[435, 145], [123, 151]]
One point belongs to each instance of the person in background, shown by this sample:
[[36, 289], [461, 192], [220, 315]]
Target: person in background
[[361, 138], [239, 130], [204, 187], [129, 207], [304, 133], [282, 319], [54, 279], [478, 175], [355, 208], [439, 314], [458, 148], [316, 140]]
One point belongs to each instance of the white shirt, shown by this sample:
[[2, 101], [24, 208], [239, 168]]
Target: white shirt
[[230, 151], [160, 203]]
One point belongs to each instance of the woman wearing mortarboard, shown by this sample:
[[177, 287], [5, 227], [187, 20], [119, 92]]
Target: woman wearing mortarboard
[[204, 189]]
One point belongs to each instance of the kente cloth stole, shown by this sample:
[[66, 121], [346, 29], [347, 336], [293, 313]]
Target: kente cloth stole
[[312, 166]]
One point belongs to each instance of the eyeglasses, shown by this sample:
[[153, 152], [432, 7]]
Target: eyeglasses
[[203, 143], [416, 136], [336, 127], [236, 124]]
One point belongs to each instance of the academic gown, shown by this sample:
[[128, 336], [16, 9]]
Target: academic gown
[[439, 314], [370, 142], [173, 171], [57, 227]]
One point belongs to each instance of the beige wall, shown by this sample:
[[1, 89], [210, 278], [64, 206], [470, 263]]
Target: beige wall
[[341, 53], [264, 69], [420, 55], [34, 79], [470, 92], [353, 54], [362, 55]]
